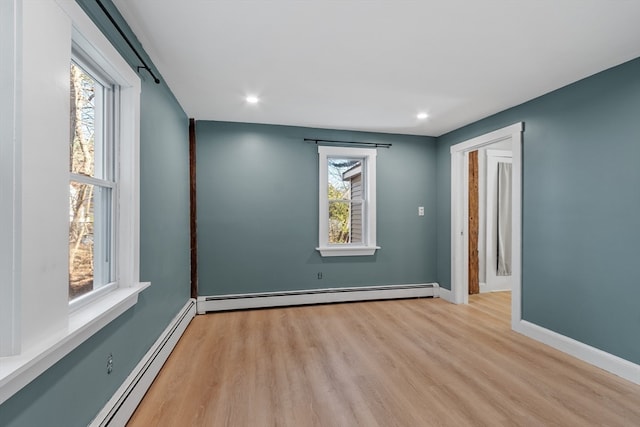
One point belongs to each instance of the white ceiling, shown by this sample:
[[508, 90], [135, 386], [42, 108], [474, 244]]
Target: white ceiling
[[374, 64]]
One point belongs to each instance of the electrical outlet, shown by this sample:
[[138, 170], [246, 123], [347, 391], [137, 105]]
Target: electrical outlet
[[319, 275], [110, 364], [420, 210]]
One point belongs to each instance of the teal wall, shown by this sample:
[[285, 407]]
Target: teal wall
[[73, 391], [581, 204], [258, 211]]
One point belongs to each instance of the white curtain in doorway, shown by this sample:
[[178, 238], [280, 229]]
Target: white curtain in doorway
[[504, 219]]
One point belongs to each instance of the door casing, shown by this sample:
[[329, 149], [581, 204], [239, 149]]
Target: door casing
[[459, 215]]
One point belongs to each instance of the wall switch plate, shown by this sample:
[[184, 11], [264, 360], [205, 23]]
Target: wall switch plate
[[420, 210]]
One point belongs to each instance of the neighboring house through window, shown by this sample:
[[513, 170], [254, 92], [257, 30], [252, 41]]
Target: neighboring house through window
[[353, 176]]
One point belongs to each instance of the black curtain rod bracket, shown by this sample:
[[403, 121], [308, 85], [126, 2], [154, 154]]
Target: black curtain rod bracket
[[144, 65], [368, 144]]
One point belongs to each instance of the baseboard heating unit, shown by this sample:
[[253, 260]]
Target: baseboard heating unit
[[314, 296], [121, 406]]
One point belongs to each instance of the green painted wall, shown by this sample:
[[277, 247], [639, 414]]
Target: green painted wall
[[581, 198], [258, 211], [73, 391]]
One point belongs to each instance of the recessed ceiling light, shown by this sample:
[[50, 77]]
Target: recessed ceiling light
[[422, 116], [252, 99]]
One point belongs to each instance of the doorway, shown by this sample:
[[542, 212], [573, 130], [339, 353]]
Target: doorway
[[490, 218], [460, 213]]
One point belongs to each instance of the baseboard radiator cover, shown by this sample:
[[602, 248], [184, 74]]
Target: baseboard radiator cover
[[314, 296], [124, 402]]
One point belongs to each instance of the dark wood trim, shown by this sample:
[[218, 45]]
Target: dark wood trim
[[193, 208], [474, 262]]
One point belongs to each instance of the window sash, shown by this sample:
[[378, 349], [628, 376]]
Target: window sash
[[105, 118], [104, 216], [351, 201]]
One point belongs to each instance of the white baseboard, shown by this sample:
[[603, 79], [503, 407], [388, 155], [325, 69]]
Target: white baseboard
[[314, 296], [445, 294], [124, 402], [485, 289], [614, 364]]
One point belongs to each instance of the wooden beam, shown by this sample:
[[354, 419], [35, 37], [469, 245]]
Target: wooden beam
[[474, 262], [193, 208]]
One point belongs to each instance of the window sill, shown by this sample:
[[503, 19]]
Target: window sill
[[18, 371], [327, 251]]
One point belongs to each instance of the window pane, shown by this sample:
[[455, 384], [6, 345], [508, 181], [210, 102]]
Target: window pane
[[341, 172], [86, 124], [339, 222], [89, 238], [345, 197]]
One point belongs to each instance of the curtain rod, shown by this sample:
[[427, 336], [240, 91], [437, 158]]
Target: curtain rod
[[374, 144], [144, 65]]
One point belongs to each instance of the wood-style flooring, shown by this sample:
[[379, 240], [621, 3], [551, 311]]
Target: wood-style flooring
[[415, 362]]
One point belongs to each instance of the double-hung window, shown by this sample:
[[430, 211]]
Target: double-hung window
[[92, 181], [347, 200]]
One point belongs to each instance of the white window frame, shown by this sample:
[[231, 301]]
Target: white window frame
[[368, 246], [92, 42], [47, 329]]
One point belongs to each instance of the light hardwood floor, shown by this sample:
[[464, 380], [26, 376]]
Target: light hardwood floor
[[416, 362]]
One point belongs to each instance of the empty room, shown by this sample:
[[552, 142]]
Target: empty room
[[319, 213]]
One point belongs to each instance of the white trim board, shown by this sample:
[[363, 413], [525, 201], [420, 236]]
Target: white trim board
[[314, 296], [594, 356], [10, 164], [125, 400], [445, 294]]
